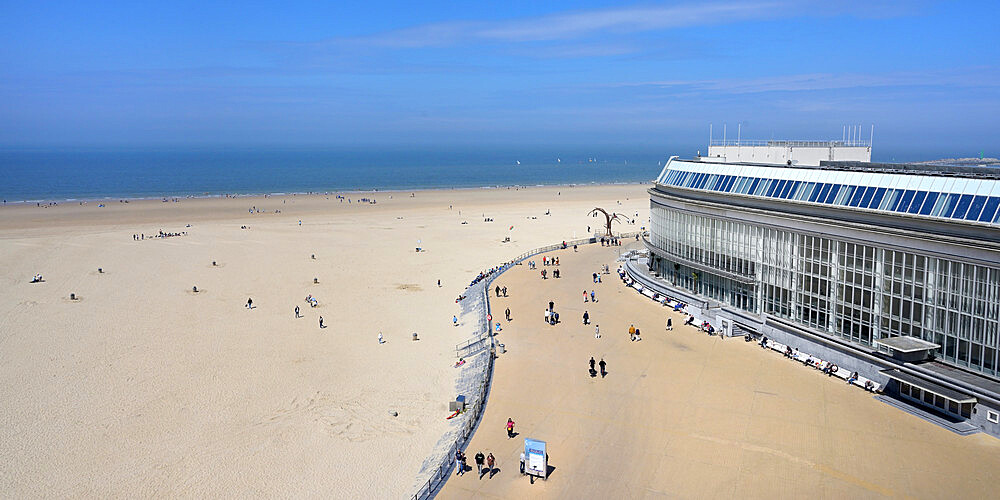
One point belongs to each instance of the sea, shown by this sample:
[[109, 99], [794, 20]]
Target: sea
[[34, 175]]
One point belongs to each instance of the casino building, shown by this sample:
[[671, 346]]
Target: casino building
[[890, 270]]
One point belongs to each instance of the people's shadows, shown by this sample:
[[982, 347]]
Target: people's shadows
[[604, 373], [593, 373], [514, 434], [494, 471], [483, 472]]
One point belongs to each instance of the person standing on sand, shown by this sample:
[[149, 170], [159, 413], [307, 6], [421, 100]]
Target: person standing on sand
[[480, 458], [439, 283], [321, 322], [380, 341], [507, 312], [591, 363], [454, 319], [597, 331], [249, 303], [586, 317], [490, 462], [585, 296], [593, 296], [603, 370], [631, 332], [504, 290], [670, 324], [296, 311], [510, 430]]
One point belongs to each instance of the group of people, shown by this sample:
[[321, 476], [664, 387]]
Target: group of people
[[504, 290], [37, 278], [602, 364], [484, 464], [610, 241], [593, 296], [634, 333], [550, 261]]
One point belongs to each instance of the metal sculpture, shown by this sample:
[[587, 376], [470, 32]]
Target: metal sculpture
[[610, 217]]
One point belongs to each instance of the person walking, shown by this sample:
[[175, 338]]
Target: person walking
[[510, 428], [480, 459], [504, 290], [586, 318], [585, 296], [593, 296], [507, 313], [380, 341], [522, 463], [296, 311], [459, 466], [597, 331], [603, 366], [670, 324], [249, 303], [547, 313], [454, 320], [491, 462], [631, 332], [321, 322], [498, 290], [591, 363]]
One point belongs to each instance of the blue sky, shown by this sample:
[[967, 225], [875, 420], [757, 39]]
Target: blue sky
[[649, 76]]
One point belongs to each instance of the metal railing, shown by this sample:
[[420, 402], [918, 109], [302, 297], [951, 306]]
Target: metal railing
[[781, 143], [485, 336]]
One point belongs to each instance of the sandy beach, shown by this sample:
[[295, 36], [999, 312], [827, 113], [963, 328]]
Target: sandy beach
[[142, 387]]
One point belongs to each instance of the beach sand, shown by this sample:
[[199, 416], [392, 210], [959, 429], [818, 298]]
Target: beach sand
[[142, 387], [685, 415]]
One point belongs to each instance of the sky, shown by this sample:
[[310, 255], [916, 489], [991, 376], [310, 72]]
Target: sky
[[648, 76]]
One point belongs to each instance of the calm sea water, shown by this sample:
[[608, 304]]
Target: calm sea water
[[27, 175]]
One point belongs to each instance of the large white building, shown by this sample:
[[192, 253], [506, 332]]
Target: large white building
[[891, 270]]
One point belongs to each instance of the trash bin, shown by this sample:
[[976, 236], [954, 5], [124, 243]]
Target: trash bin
[[503, 349]]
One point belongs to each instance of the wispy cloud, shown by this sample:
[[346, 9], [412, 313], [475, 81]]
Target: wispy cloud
[[571, 25]]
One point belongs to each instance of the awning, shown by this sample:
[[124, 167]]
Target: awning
[[907, 344], [931, 387]]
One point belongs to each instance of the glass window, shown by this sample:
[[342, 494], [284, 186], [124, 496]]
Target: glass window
[[975, 207], [904, 201], [820, 194], [891, 196], [834, 189], [844, 196], [771, 184], [949, 204], [754, 186], [918, 201], [856, 196], [991, 208], [867, 197], [877, 198], [929, 204], [778, 186], [962, 206], [789, 188]]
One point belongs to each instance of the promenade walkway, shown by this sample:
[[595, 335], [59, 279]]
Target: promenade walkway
[[682, 414]]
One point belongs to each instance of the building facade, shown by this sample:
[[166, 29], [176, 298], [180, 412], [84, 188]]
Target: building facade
[[849, 257]]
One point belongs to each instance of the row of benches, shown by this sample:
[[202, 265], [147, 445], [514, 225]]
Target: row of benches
[[801, 357], [819, 364]]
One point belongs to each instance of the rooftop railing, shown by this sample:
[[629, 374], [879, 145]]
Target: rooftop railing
[[781, 143]]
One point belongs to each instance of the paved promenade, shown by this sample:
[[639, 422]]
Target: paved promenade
[[682, 414]]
